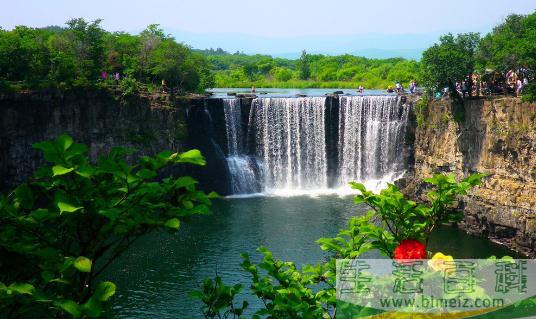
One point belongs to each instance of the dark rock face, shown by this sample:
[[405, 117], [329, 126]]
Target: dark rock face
[[496, 137], [205, 121], [95, 118]]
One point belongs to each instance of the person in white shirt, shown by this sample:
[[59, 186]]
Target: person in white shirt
[[519, 87]]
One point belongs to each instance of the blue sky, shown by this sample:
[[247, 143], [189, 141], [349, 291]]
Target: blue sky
[[280, 27]]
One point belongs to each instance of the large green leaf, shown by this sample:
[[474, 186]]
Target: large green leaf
[[64, 141], [70, 307], [83, 264], [50, 151], [25, 196], [60, 170], [21, 288], [173, 223], [65, 204], [67, 208], [192, 157], [104, 291]]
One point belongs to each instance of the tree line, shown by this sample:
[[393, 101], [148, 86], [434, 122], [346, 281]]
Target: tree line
[[309, 71], [83, 54]]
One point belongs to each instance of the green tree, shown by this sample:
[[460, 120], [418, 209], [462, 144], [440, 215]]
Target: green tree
[[64, 226], [304, 67], [172, 62], [282, 74], [449, 61], [24, 55], [511, 45], [86, 45]]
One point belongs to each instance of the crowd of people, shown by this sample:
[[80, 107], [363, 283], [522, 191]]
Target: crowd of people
[[399, 88], [115, 76], [490, 83]]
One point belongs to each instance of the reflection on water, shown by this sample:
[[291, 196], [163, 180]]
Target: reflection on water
[[156, 275]]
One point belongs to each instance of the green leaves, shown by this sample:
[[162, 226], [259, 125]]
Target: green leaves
[[288, 292], [218, 298], [65, 203], [24, 196], [60, 170], [192, 157], [62, 150], [18, 288], [74, 216], [94, 307], [69, 306], [173, 223], [104, 291], [64, 142], [448, 61], [83, 264]]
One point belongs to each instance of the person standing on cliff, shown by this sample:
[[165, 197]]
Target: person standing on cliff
[[519, 87], [412, 87], [253, 89]]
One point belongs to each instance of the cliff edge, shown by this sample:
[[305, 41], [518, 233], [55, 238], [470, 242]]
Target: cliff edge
[[492, 136]]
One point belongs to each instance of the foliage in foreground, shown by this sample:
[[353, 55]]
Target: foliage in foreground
[[289, 292], [63, 227]]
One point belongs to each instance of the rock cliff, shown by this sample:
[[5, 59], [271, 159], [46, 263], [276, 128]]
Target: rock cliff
[[496, 137], [98, 118]]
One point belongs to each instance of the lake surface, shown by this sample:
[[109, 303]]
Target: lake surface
[[277, 92], [156, 275]]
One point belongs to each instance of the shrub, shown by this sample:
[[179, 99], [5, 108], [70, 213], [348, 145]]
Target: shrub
[[64, 226], [289, 292]]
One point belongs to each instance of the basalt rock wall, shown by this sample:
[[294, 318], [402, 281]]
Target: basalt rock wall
[[496, 137], [100, 119]]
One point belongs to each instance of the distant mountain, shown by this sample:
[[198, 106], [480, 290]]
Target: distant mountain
[[410, 54], [369, 45]]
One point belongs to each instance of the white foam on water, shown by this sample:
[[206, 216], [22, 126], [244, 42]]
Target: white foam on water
[[282, 151]]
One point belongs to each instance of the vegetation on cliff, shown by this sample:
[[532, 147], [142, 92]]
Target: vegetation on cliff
[[510, 46], [449, 61], [83, 54]]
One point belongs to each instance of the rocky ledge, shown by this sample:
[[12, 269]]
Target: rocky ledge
[[492, 136]]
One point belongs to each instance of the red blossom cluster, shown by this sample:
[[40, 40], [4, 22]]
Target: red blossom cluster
[[410, 249]]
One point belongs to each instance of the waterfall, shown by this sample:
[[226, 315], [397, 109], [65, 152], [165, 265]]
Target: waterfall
[[243, 169], [290, 140], [371, 137], [233, 126], [287, 147]]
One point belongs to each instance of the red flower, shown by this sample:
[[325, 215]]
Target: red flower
[[410, 249]]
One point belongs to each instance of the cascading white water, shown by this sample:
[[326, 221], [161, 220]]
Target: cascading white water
[[232, 111], [371, 137], [290, 140], [287, 151], [242, 168]]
